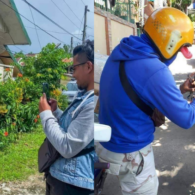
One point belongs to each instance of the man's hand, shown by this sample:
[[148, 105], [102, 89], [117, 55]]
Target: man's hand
[[53, 103], [43, 105], [187, 86]]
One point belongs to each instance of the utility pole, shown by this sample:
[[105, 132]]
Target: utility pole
[[71, 45], [85, 23]]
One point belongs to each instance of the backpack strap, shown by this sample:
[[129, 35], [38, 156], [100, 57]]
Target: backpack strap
[[131, 93]]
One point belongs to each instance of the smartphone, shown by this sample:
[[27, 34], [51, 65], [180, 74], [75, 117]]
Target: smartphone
[[46, 91]]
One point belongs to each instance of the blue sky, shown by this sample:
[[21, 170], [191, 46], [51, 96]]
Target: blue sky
[[49, 9]]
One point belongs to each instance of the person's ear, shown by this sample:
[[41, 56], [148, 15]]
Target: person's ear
[[89, 66]]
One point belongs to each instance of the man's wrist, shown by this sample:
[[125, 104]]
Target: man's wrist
[[56, 110], [45, 113]]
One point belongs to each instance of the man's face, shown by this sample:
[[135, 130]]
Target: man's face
[[80, 73]]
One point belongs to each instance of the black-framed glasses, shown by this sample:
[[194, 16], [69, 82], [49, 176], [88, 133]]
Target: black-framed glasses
[[72, 68]]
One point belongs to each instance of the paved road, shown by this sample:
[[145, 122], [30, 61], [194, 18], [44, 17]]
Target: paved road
[[174, 148]]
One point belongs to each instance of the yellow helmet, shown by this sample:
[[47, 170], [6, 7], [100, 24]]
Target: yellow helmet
[[171, 31]]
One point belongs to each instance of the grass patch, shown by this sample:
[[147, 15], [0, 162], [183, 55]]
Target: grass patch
[[19, 160]]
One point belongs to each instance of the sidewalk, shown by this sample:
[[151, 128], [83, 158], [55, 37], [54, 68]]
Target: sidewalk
[[174, 148]]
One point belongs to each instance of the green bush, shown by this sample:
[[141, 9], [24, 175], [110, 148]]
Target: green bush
[[19, 98]]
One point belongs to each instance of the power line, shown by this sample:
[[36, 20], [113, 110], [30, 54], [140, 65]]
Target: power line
[[72, 10], [14, 52], [49, 19], [76, 42], [50, 31], [18, 48], [82, 2], [35, 27], [64, 13], [21, 50], [89, 27], [46, 30], [31, 22]]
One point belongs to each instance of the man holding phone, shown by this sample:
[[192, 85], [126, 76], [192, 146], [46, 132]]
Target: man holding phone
[[71, 132], [46, 90]]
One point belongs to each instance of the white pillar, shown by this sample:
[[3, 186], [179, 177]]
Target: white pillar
[[141, 11], [1, 73]]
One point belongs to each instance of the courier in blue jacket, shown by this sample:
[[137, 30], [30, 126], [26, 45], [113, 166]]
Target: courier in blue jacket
[[166, 32]]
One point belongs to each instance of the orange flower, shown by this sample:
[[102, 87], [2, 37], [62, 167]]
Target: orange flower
[[7, 69], [56, 92], [35, 120], [38, 116], [6, 134], [20, 75]]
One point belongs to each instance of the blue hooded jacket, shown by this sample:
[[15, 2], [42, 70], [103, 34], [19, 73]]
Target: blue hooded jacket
[[151, 79]]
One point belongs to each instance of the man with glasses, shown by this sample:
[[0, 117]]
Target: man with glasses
[[71, 132]]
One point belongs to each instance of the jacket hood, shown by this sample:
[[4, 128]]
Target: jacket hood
[[134, 48]]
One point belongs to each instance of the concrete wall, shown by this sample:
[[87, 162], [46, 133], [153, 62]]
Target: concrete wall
[[119, 31], [99, 34], [109, 30]]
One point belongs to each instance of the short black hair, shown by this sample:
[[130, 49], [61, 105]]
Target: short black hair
[[87, 48]]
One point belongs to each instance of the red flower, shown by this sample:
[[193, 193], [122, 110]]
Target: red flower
[[20, 75], [6, 133], [35, 120], [7, 69]]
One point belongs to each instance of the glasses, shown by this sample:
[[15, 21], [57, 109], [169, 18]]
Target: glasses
[[72, 68]]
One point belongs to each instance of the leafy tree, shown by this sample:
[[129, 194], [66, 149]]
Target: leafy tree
[[68, 49], [118, 10], [181, 4], [20, 97], [46, 67], [192, 17]]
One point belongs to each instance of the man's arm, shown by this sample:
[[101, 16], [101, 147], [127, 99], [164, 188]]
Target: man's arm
[[58, 113], [79, 133], [161, 91]]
